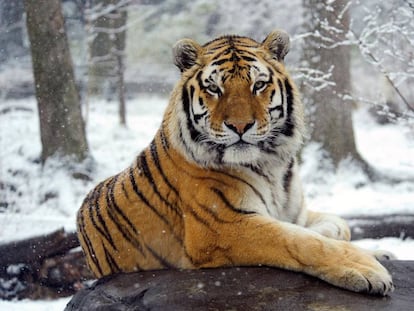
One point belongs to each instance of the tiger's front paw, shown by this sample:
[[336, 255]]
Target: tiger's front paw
[[359, 271]]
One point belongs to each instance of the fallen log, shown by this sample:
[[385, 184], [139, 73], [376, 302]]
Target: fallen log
[[247, 288], [47, 266], [376, 227], [36, 249]]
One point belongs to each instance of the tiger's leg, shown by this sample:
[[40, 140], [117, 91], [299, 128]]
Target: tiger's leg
[[335, 227], [254, 240], [328, 225]]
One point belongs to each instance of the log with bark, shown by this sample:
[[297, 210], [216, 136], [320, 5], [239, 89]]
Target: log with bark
[[381, 226], [47, 266], [247, 288], [53, 265]]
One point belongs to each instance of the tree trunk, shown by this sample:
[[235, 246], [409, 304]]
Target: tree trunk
[[61, 125], [329, 103], [119, 45], [106, 70], [101, 63]]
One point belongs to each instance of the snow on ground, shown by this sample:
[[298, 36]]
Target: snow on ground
[[30, 305], [44, 199], [40, 200]]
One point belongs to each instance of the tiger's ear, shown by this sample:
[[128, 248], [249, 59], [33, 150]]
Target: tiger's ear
[[185, 53], [277, 43]]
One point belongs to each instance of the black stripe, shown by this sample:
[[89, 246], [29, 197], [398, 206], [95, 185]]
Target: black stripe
[[280, 108], [199, 80], [221, 61], [192, 91], [124, 191], [164, 140], [287, 177], [156, 161], [226, 39], [257, 192], [248, 52], [113, 208], [197, 117], [147, 172], [147, 203], [288, 128], [227, 203], [92, 255], [231, 49], [112, 203], [246, 45], [200, 219], [111, 261], [165, 263], [200, 100], [186, 146], [282, 93], [271, 74], [143, 198], [94, 206], [212, 214], [126, 234], [248, 58], [258, 171], [197, 177], [194, 134], [143, 165]]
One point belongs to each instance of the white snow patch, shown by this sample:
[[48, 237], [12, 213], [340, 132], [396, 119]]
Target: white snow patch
[[34, 305]]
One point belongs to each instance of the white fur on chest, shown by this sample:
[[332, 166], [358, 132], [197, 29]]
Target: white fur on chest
[[274, 201]]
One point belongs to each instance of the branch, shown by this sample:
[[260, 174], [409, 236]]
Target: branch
[[366, 52], [37, 248]]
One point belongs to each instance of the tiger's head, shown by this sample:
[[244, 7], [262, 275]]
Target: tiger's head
[[235, 103]]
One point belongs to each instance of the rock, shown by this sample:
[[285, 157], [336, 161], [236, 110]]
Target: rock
[[247, 288]]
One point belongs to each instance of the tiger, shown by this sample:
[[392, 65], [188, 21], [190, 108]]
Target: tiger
[[219, 184]]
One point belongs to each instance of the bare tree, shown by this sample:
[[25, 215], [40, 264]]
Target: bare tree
[[329, 102], [328, 39], [107, 20], [61, 125], [383, 32]]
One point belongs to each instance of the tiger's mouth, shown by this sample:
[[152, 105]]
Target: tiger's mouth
[[241, 144], [240, 152]]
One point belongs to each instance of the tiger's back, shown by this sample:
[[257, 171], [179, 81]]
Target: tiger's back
[[219, 185]]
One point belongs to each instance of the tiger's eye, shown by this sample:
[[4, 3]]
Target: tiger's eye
[[213, 89], [259, 85]]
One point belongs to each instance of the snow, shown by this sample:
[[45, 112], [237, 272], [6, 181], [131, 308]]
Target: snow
[[388, 148], [45, 199], [41, 200], [31, 305]]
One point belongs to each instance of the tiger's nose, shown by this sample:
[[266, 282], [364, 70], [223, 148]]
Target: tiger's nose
[[239, 127]]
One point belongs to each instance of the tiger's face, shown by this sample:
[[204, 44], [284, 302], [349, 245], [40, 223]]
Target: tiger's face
[[237, 101]]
